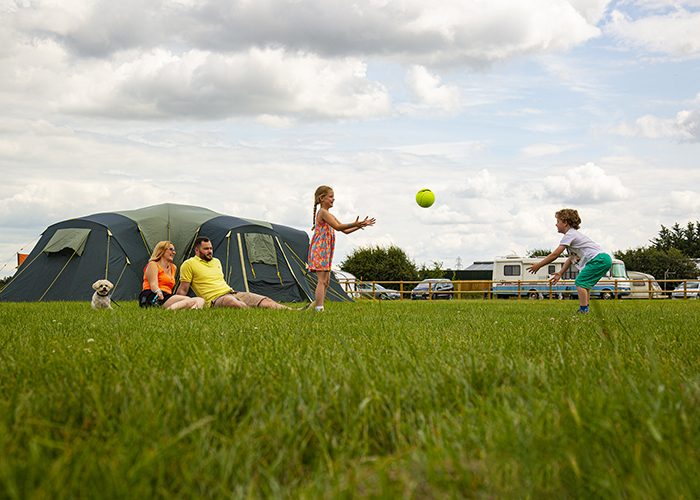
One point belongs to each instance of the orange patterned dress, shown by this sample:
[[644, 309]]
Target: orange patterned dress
[[321, 248]]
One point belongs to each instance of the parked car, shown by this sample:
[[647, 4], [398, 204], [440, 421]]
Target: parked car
[[439, 288], [379, 292], [691, 290], [347, 282]]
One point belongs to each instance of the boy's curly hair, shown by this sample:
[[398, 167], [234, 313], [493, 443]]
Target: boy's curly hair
[[570, 216]]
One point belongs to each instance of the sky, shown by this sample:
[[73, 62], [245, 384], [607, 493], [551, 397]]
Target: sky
[[508, 110]]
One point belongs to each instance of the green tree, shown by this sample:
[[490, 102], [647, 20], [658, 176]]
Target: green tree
[[375, 263], [671, 263], [538, 252], [686, 239], [425, 272], [5, 281]]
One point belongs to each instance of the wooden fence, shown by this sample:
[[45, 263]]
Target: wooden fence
[[468, 289]]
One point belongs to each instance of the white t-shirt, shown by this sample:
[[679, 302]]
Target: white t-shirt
[[581, 245]]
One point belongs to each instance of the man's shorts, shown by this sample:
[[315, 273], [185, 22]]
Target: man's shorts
[[595, 269], [249, 299]]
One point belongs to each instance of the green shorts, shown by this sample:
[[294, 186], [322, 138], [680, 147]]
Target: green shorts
[[595, 269]]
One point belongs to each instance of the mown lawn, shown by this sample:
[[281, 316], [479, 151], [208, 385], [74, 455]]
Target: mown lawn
[[425, 400]]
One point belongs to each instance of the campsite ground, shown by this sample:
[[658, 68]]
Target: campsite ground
[[460, 399]]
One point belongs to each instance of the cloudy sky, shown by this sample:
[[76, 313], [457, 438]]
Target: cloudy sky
[[507, 109]]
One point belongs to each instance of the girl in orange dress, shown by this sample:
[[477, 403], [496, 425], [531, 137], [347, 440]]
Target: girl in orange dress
[[323, 240]]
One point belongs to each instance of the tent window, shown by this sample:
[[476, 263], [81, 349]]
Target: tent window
[[73, 239], [261, 248]]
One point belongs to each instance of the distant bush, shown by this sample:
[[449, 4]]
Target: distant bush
[[5, 281], [375, 263], [671, 263]]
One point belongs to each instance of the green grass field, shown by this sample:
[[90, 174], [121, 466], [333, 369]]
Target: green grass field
[[425, 400]]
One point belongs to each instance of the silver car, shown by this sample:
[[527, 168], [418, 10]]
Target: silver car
[[378, 292], [691, 290]]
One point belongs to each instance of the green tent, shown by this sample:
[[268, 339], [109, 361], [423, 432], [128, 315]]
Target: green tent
[[71, 255]]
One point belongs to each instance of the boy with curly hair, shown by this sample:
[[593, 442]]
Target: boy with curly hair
[[592, 262]]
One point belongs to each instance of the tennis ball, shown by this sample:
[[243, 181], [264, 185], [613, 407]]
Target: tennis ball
[[425, 198]]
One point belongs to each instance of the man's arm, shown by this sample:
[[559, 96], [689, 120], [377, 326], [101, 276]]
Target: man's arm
[[183, 288]]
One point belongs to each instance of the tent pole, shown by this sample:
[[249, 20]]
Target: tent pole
[[109, 238], [122, 274], [143, 238], [240, 250], [228, 251]]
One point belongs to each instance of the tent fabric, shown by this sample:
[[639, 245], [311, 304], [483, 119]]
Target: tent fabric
[[71, 238], [118, 245], [280, 283], [170, 222], [63, 276], [261, 248]]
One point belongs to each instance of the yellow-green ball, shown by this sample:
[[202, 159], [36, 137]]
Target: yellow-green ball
[[425, 198]]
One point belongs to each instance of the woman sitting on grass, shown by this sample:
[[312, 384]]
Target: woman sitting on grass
[[159, 280]]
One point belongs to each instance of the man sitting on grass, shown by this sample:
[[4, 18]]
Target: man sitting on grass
[[204, 273]]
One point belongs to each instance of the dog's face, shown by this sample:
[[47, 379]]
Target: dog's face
[[102, 286]]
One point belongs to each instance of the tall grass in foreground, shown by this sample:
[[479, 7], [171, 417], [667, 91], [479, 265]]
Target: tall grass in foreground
[[465, 399]]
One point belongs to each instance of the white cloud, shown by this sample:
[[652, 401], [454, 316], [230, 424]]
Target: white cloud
[[197, 84], [674, 33], [275, 59], [585, 184], [442, 214], [684, 203], [536, 150], [448, 32], [52, 200], [684, 127], [481, 185], [428, 90]]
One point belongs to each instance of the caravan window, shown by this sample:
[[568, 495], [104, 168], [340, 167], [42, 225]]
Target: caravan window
[[511, 270], [570, 274], [551, 269]]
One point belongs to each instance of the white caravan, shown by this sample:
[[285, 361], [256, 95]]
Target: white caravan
[[511, 278]]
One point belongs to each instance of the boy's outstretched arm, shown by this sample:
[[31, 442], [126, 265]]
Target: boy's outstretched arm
[[549, 258], [564, 267]]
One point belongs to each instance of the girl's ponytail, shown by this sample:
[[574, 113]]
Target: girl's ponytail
[[320, 191]]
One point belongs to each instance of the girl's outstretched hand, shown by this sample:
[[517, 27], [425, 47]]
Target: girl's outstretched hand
[[366, 222]]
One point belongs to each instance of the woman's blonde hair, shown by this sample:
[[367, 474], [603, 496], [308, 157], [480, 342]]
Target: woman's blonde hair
[[160, 249], [320, 191], [569, 216]]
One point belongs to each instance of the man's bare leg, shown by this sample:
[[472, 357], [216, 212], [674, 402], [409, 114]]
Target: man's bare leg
[[268, 303], [229, 301]]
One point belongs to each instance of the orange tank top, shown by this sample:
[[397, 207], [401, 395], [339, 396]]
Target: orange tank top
[[165, 282]]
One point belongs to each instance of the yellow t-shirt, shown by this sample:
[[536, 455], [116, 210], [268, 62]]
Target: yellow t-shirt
[[205, 278]]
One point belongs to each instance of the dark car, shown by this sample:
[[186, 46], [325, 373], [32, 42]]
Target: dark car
[[436, 288], [379, 292]]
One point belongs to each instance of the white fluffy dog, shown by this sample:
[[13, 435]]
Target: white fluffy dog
[[100, 299]]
